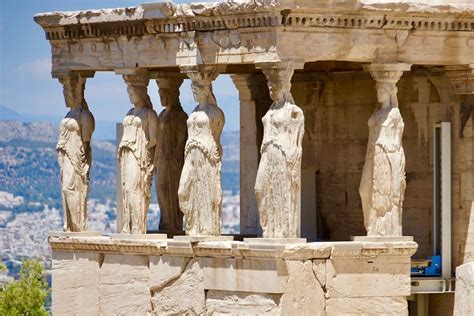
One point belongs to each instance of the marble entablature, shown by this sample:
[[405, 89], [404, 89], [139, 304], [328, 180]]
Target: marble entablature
[[212, 33]]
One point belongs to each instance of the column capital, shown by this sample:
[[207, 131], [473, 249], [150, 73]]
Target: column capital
[[389, 73], [202, 72], [240, 80], [461, 78], [169, 83], [168, 80], [135, 76]]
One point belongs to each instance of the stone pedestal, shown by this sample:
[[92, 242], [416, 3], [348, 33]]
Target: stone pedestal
[[382, 238], [75, 234], [100, 275], [169, 232], [203, 238], [138, 236], [275, 241]]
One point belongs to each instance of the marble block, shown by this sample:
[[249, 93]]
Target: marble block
[[242, 275], [75, 283]]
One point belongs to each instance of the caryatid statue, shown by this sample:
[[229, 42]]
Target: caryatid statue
[[278, 182], [200, 192], [136, 155], [169, 160], [383, 183], [74, 154]]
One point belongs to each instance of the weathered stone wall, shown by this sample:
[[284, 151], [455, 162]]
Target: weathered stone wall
[[100, 276], [337, 107]]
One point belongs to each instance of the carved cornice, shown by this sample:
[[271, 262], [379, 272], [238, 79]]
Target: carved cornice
[[379, 20], [462, 78], [135, 77], [162, 18]]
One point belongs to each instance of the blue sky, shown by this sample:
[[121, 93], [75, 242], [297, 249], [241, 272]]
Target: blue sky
[[26, 85]]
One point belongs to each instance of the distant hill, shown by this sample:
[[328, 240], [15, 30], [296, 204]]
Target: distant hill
[[29, 168], [9, 114], [34, 131]]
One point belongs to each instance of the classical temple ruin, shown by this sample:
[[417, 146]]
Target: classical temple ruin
[[356, 153]]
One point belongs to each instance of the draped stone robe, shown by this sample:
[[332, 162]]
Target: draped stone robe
[[279, 173], [200, 193]]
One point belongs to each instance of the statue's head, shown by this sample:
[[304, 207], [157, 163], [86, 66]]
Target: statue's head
[[387, 93], [138, 91], [169, 92], [279, 84], [73, 91], [202, 92], [201, 83], [276, 90]]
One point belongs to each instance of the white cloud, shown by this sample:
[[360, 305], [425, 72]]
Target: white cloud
[[38, 69]]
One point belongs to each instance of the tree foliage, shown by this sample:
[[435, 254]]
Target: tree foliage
[[27, 295]]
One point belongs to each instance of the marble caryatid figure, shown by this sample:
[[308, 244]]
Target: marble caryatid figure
[[136, 155], [169, 160], [74, 154], [278, 182], [383, 184], [200, 193]]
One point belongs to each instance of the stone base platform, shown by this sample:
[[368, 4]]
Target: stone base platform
[[106, 276]]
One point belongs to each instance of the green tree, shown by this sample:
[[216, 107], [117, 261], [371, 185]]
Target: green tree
[[27, 295]]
